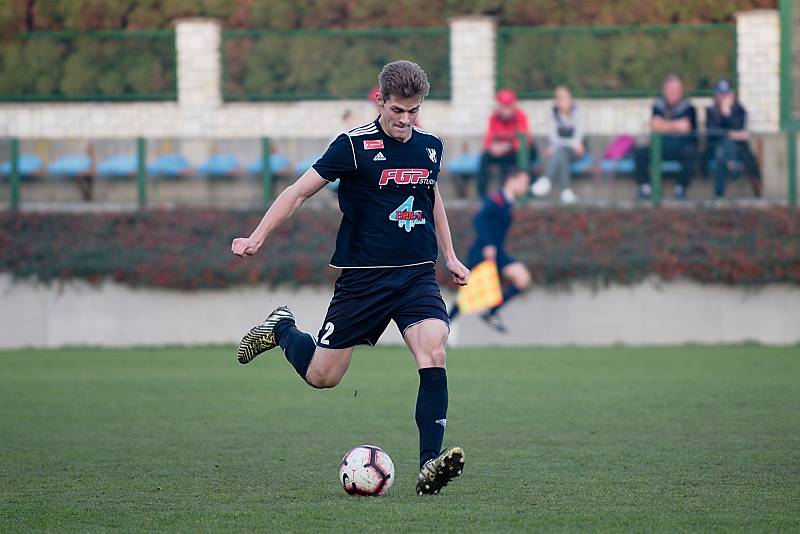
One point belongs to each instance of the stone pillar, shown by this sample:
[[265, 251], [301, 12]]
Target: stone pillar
[[472, 70], [758, 60], [197, 43]]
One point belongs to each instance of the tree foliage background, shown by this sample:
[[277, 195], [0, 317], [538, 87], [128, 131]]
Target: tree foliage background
[[31, 15], [115, 67]]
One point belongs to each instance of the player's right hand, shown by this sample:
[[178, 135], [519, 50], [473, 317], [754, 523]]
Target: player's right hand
[[244, 246], [489, 252]]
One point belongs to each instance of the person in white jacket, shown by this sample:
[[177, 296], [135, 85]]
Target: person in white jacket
[[566, 135]]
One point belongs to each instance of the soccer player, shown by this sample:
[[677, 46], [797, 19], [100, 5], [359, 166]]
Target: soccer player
[[492, 223], [393, 217]]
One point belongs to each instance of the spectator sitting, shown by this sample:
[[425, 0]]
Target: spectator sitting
[[501, 143], [726, 121], [676, 118], [566, 145]]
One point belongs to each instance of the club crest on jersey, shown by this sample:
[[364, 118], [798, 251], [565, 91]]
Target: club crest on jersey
[[373, 144], [405, 216], [432, 154], [406, 176]]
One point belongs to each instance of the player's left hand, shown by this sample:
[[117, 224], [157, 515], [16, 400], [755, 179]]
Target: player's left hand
[[459, 271], [244, 246]]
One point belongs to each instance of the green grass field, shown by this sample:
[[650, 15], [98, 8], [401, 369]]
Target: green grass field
[[614, 439]]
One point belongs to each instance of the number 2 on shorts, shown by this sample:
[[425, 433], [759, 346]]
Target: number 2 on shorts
[[328, 331]]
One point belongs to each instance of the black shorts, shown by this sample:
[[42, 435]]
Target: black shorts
[[365, 300]]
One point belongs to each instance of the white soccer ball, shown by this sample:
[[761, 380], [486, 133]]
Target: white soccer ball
[[366, 470]]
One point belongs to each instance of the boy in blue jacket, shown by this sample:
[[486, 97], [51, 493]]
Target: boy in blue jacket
[[492, 223]]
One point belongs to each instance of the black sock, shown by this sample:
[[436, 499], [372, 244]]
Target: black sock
[[508, 293], [298, 347], [431, 413], [453, 311]]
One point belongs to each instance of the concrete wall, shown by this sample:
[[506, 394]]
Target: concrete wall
[[200, 112], [758, 38], [36, 315]]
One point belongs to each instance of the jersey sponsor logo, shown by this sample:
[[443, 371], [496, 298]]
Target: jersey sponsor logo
[[432, 154], [379, 157], [373, 144], [405, 216], [406, 176]]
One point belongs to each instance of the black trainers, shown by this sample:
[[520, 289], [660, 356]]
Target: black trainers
[[261, 337], [437, 473], [495, 321]]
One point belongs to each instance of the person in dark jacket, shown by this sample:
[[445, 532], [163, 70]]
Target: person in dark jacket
[[675, 118], [728, 148], [492, 223]]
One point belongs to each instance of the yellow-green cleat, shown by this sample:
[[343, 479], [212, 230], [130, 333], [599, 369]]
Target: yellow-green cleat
[[261, 337], [437, 473]]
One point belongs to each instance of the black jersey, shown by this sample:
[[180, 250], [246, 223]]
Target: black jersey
[[386, 196]]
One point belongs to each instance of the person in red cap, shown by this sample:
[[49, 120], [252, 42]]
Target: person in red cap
[[501, 142]]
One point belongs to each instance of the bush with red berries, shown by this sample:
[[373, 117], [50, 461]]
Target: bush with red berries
[[189, 248]]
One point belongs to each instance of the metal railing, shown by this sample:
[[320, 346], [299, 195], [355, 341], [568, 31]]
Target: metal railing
[[614, 61], [326, 64], [136, 168], [262, 161], [89, 66]]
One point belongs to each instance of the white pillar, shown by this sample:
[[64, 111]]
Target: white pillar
[[758, 61], [472, 70], [197, 43]]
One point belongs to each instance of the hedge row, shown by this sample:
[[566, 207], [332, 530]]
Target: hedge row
[[35, 15], [83, 66], [330, 65], [89, 68], [631, 61], [187, 249]]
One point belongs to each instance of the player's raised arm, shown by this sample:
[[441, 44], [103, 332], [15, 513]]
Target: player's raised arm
[[288, 202], [457, 269]]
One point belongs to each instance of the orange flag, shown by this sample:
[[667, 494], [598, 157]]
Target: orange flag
[[483, 290]]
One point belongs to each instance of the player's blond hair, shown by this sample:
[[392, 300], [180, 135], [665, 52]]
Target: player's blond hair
[[403, 79]]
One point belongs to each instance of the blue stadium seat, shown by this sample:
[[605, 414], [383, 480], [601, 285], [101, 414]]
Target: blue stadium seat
[[170, 166], [618, 166], [29, 165], [465, 164], [220, 166], [118, 167], [70, 166], [582, 165], [671, 166], [628, 166], [278, 164], [306, 164]]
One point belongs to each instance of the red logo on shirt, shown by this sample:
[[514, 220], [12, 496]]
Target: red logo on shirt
[[404, 176], [373, 144]]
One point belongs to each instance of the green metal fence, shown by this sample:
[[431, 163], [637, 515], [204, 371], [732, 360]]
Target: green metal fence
[[614, 61], [790, 96], [326, 64], [89, 66]]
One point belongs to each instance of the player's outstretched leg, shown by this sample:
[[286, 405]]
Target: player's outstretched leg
[[520, 280], [261, 337], [438, 472]]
